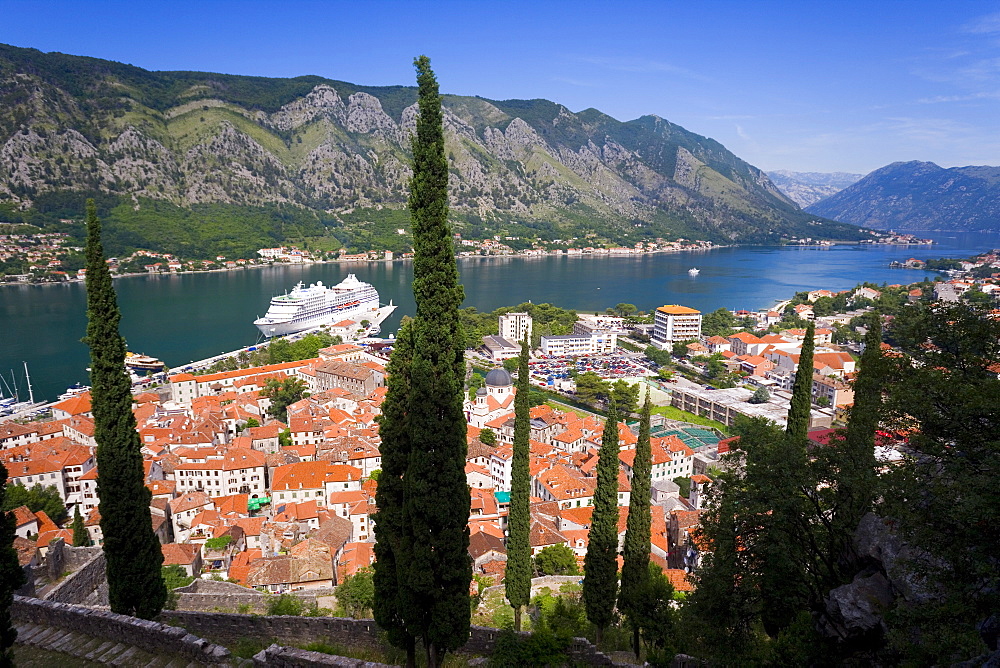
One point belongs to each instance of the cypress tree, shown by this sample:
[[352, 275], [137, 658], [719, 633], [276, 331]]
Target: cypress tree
[[517, 579], [635, 553], [388, 520], [430, 555], [80, 535], [855, 478], [798, 412], [131, 549], [600, 566], [788, 547], [11, 575]]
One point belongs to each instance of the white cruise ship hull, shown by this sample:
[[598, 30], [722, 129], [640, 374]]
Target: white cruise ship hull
[[307, 308]]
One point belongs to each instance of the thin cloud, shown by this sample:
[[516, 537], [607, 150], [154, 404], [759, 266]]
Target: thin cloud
[[641, 65], [575, 82], [971, 97], [984, 25]]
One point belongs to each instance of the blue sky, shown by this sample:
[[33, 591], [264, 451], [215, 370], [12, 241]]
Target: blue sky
[[801, 85]]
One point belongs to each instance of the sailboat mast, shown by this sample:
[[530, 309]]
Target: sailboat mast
[[31, 395]]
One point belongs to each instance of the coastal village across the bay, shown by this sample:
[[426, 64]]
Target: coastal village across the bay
[[279, 498], [53, 257]]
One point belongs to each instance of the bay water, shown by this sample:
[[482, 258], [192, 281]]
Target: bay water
[[180, 318]]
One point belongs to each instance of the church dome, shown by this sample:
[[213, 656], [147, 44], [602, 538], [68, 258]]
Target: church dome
[[481, 392], [499, 378]]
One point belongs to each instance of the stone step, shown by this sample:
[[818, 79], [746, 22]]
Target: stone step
[[62, 644], [40, 638], [99, 650], [26, 632], [111, 654], [125, 658], [89, 646]]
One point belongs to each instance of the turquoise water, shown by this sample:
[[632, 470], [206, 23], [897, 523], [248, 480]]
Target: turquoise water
[[192, 316]]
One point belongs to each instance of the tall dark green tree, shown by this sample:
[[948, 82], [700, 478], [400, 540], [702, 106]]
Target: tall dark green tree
[[786, 537], [390, 531], [432, 565], [11, 576], [848, 469], [517, 578], [799, 412], [600, 566], [945, 395], [635, 552], [80, 536], [132, 551]]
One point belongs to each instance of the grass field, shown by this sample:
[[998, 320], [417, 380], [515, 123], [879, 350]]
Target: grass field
[[677, 414]]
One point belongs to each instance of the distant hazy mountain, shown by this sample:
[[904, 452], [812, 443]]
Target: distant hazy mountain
[[333, 157], [920, 196], [805, 188]]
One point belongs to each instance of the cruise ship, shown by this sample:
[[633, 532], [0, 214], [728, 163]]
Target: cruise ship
[[305, 308]]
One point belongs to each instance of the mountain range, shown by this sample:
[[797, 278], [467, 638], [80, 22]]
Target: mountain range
[[805, 188], [919, 196], [169, 154]]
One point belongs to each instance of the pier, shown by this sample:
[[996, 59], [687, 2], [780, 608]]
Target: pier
[[377, 319]]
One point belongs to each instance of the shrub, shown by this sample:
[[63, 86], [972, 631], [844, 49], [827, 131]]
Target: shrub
[[285, 604]]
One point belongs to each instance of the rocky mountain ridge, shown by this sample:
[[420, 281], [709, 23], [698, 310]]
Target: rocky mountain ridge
[[75, 124], [920, 196], [806, 188]]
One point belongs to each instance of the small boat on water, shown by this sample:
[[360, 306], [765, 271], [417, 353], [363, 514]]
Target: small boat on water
[[137, 362], [694, 271], [73, 391]]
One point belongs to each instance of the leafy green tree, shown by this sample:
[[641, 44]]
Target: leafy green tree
[[591, 388], [684, 485], [279, 350], [251, 423], [600, 566], [626, 396], [487, 436], [11, 574], [283, 393], [476, 381], [517, 579], [943, 392], [173, 577], [131, 549], [657, 356], [431, 561], [635, 552], [623, 310], [725, 608], [556, 560], [655, 616], [510, 365], [720, 322], [80, 536], [37, 498], [760, 396], [356, 594]]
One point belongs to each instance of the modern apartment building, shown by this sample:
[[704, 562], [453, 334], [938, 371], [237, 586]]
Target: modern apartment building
[[673, 323], [514, 326]]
